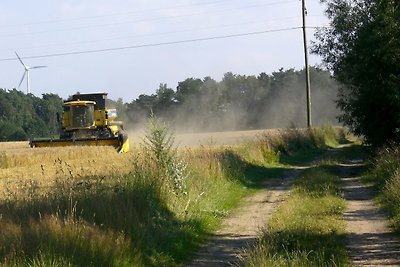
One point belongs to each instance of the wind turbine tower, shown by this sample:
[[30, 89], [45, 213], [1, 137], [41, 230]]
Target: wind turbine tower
[[26, 73]]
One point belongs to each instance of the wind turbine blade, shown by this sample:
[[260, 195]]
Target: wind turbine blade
[[23, 76], [37, 67], [20, 60]]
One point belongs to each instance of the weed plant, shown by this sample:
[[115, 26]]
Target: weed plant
[[158, 145]]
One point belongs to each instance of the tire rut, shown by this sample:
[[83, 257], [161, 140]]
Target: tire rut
[[369, 238], [243, 226]]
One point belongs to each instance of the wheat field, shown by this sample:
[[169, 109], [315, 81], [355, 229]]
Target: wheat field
[[23, 167], [90, 206]]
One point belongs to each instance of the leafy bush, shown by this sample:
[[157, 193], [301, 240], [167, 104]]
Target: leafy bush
[[363, 54], [385, 173], [385, 164]]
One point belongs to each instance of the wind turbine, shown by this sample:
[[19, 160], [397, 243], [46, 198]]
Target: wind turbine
[[26, 72]]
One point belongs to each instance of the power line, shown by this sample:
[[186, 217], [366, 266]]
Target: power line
[[143, 20], [112, 14], [154, 34], [155, 44]]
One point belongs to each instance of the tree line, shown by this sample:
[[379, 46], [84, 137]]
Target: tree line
[[237, 102], [25, 116]]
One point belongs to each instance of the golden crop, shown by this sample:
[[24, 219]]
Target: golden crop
[[20, 164]]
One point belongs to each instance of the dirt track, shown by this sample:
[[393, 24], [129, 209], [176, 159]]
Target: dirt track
[[369, 239], [243, 226]]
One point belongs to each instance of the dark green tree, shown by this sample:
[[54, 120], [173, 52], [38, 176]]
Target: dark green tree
[[362, 48], [120, 106], [146, 102], [189, 88], [196, 104], [165, 101], [27, 116], [11, 132], [138, 110]]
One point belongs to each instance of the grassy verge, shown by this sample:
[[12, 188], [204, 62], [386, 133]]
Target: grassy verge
[[154, 216], [384, 172], [308, 229]]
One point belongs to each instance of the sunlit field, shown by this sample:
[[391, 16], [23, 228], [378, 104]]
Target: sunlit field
[[153, 206], [19, 160], [22, 165]]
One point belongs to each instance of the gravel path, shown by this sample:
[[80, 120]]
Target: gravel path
[[244, 225], [369, 239]]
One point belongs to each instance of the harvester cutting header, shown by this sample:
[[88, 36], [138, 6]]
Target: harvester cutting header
[[86, 121]]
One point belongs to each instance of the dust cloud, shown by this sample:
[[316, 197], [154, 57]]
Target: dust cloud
[[282, 107]]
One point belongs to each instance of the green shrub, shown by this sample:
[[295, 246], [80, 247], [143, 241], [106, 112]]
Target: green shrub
[[385, 164], [385, 173]]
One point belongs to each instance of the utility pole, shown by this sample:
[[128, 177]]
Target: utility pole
[[304, 11]]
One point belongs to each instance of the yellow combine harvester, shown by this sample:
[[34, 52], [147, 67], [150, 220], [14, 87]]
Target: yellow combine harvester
[[86, 121]]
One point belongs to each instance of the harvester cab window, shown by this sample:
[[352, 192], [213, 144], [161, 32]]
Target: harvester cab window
[[82, 116]]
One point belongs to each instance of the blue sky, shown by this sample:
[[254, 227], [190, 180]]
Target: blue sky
[[40, 28]]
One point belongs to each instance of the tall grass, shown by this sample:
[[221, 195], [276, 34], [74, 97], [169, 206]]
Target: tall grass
[[385, 173], [149, 217], [292, 146], [154, 215]]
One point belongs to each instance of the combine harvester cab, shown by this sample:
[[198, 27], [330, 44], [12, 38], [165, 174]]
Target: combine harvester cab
[[86, 121]]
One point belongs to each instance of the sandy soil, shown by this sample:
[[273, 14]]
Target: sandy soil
[[369, 240], [244, 225]]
